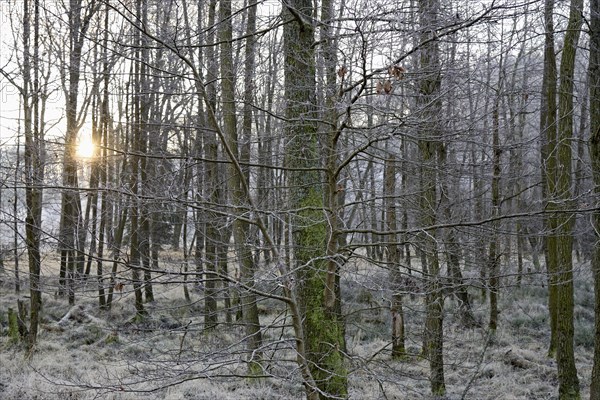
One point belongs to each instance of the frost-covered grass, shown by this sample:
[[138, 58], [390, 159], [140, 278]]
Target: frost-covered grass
[[97, 354]]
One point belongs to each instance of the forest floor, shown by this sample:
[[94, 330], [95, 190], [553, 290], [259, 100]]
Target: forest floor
[[94, 354]]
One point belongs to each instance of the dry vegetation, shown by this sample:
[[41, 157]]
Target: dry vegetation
[[85, 353]]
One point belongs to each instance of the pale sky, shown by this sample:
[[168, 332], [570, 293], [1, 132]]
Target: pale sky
[[9, 98]]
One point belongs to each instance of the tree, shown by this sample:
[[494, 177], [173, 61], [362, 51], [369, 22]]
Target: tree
[[430, 148], [494, 251], [548, 128], [101, 163], [241, 228], [34, 163], [393, 258], [213, 189], [594, 88], [329, 142], [71, 233], [316, 293], [561, 221]]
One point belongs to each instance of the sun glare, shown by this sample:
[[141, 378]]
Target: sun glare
[[85, 148]]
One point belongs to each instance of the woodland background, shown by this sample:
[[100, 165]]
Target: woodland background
[[300, 199]]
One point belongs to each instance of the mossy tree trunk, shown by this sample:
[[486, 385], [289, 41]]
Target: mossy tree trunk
[[562, 220], [594, 77], [323, 330]]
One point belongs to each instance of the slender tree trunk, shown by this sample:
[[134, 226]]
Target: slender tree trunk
[[594, 77], [393, 258], [334, 189], [214, 220], [548, 136], [16, 200], [137, 143], [147, 131], [495, 253], [199, 140], [116, 248], [241, 228], [452, 250], [70, 229], [322, 329], [562, 221], [102, 163], [430, 147]]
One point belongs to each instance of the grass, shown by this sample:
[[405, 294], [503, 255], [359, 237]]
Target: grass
[[107, 355]]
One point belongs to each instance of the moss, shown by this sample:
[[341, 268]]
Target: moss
[[113, 337], [325, 336], [402, 357], [139, 317], [324, 332], [255, 368], [13, 326]]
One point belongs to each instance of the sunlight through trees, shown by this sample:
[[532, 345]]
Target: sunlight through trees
[[299, 199]]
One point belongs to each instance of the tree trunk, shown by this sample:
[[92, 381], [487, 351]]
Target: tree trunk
[[137, 145], [322, 328], [34, 167], [16, 209], [241, 228], [71, 233], [430, 147], [594, 77], [548, 138], [393, 257], [562, 220], [213, 191], [495, 253]]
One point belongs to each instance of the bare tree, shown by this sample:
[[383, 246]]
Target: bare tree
[[34, 162], [594, 87], [560, 252], [429, 150], [241, 228], [71, 230], [315, 279]]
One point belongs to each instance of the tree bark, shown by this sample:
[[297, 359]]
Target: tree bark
[[393, 258], [429, 148], [548, 114], [495, 253], [213, 191], [241, 228], [70, 229], [562, 220], [594, 148], [34, 165], [321, 325]]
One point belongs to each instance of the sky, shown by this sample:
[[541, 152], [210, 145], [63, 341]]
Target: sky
[[9, 95], [9, 98]]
